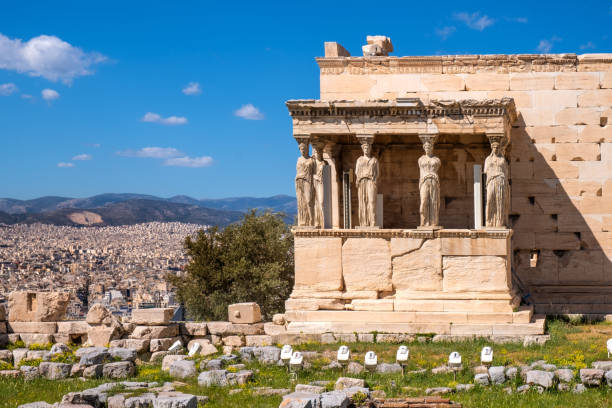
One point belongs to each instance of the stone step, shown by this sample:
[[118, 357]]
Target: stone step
[[522, 316], [536, 326]]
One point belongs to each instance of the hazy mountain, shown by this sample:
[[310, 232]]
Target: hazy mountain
[[12, 206], [122, 209], [279, 203], [133, 211]]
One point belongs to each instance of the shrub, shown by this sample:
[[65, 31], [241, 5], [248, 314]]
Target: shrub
[[66, 357], [16, 345], [359, 397], [32, 362], [247, 262], [37, 346], [6, 365]]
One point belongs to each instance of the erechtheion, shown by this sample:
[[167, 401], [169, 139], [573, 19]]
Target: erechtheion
[[450, 188]]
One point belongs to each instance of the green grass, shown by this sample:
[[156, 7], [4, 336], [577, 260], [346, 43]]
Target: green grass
[[573, 345]]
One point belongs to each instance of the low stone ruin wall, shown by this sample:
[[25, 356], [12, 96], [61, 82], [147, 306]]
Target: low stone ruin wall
[[151, 331]]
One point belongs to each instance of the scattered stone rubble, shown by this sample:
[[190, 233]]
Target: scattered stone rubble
[[119, 395]]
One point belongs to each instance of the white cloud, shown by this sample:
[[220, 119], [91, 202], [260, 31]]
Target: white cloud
[[152, 152], [192, 88], [170, 120], [8, 88], [522, 20], [26, 96], [63, 164], [250, 112], [187, 161], [47, 56], [474, 21], [83, 156], [445, 32], [588, 46], [546, 45], [49, 94]]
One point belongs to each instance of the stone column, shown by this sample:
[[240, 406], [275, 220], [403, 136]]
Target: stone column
[[429, 183], [498, 189], [366, 179], [304, 189], [331, 154]]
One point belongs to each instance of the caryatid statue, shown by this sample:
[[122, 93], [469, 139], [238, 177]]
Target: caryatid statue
[[429, 184], [366, 172], [304, 191], [319, 189], [498, 196]]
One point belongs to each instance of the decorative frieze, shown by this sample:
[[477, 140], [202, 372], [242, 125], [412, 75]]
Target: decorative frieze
[[402, 233], [466, 64]]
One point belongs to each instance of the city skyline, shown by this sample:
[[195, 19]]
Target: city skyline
[[184, 100]]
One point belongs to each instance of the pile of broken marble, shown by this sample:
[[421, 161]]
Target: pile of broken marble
[[120, 395], [93, 362]]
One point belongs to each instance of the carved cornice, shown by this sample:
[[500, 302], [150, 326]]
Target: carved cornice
[[402, 233], [309, 108], [454, 64]]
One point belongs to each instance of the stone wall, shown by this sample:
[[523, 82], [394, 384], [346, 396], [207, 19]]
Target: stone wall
[[560, 157]]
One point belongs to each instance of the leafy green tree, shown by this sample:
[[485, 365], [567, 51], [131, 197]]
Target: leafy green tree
[[251, 261]]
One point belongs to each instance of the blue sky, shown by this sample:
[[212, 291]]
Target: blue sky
[[185, 97]]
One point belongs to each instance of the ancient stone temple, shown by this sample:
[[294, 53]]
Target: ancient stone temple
[[451, 194]]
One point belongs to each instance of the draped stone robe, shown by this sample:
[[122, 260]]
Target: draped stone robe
[[429, 189], [498, 197], [304, 170], [366, 172]]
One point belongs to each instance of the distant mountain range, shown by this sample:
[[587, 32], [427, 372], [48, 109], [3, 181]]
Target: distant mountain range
[[122, 209]]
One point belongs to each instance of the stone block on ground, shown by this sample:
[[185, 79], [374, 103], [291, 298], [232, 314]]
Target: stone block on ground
[[119, 370], [565, 375], [258, 340], [78, 327], [602, 365], [182, 369], [301, 400], [335, 399], [497, 374], [176, 401], [33, 327], [244, 313], [94, 371], [213, 378], [314, 389], [101, 336], [94, 357], [124, 354], [154, 332], [37, 306], [194, 329], [98, 314], [542, 378], [481, 379], [152, 317], [591, 376], [348, 382], [54, 371], [59, 348], [162, 344], [31, 338], [386, 368], [30, 373], [169, 359], [158, 356]]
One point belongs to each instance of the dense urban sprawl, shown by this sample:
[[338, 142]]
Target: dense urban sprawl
[[120, 266]]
